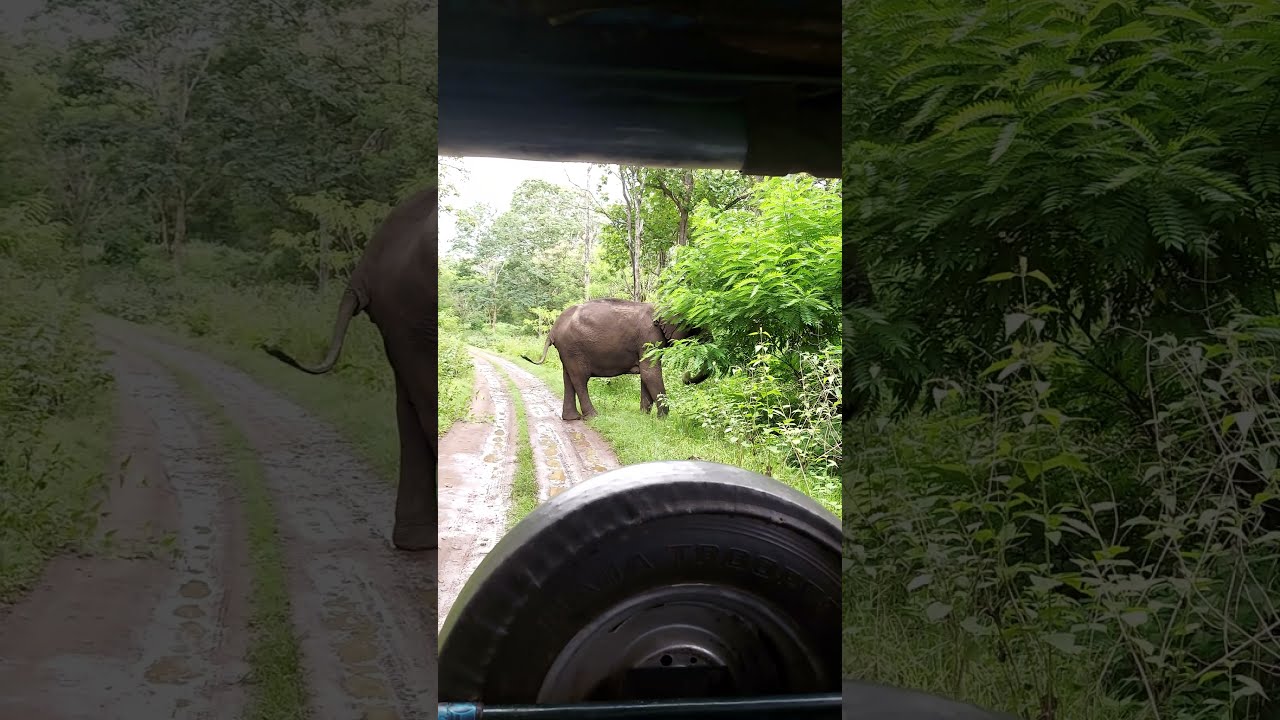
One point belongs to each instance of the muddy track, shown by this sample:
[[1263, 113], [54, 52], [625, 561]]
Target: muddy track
[[477, 461], [129, 638]]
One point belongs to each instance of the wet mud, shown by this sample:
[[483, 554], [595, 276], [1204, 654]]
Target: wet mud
[[565, 452], [144, 627], [105, 638], [477, 462]]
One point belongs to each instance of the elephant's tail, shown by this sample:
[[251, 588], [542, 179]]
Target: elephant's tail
[[546, 347], [347, 310]]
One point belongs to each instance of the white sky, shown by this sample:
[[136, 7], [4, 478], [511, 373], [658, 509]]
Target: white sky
[[493, 180]]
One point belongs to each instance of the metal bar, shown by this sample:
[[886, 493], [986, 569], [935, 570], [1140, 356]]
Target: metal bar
[[797, 707]]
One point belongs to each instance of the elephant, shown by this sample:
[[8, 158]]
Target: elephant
[[395, 283], [606, 338]]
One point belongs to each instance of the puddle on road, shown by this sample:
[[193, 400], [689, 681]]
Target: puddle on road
[[193, 630], [194, 589], [189, 611], [364, 687], [169, 671], [357, 650]]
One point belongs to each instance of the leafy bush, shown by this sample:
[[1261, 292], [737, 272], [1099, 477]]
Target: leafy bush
[[1129, 146], [784, 407], [1007, 551], [455, 373], [776, 270], [53, 398]]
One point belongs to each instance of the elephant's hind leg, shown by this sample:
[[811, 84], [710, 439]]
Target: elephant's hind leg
[[570, 409], [584, 400], [416, 525], [646, 397]]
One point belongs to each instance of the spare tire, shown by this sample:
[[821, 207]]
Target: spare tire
[[658, 580]]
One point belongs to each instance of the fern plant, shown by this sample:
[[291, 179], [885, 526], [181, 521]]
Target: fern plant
[[1130, 147]]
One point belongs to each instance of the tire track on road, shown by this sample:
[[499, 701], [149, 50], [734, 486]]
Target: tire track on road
[[364, 612], [119, 638], [477, 462], [565, 452]]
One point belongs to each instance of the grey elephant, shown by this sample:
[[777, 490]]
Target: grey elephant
[[395, 284], [607, 338]]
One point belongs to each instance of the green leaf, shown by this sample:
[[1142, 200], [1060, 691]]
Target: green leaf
[[1066, 642], [1134, 618], [919, 581], [937, 611]]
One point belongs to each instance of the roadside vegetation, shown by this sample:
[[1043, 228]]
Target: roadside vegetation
[[756, 261], [524, 481], [128, 187], [1063, 356]]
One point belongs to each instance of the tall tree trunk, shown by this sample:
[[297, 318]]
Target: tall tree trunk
[[588, 239], [682, 231], [632, 181]]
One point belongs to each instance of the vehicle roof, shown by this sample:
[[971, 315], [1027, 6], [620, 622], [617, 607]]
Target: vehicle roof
[[752, 85]]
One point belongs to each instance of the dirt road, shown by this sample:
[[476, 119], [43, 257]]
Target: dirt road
[[108, 637], [477, 462]]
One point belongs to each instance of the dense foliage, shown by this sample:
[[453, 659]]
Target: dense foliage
[[756, 262], [1061, 344]]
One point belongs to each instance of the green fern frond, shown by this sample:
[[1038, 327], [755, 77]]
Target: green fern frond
[[1119, 180], [1182, 13], [976, 112], [1135, 32], [1225, 189], [1168, 223], [1007, 136], [1144, 134], [1264, 173], [1060, 92], [928, 109]]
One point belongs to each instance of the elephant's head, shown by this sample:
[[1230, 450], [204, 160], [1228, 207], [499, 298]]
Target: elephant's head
[[677, 330]]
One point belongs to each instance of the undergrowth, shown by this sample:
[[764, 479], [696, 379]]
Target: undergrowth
[[1005, 551], [55, 405]]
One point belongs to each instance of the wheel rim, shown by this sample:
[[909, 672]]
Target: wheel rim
[[691, 640]]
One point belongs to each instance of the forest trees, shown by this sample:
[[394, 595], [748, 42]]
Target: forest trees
[[168, 122], [1061, 225]]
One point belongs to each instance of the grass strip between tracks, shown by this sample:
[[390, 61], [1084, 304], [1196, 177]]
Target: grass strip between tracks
[[278, 689], [524, 483]]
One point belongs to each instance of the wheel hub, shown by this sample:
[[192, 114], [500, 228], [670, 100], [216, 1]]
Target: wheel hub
[[681, 641]]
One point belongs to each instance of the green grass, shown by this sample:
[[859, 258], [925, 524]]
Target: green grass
[[524, 483], [56, 491], [456, 376], [278, 689], [56, 415], [639, 437]]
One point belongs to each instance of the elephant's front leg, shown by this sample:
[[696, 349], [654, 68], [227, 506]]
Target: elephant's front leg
[[651, 378], [416, 525], [646, 397], [570, 409]]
